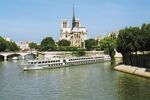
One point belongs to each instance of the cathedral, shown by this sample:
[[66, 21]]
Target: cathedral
[[75, 34]]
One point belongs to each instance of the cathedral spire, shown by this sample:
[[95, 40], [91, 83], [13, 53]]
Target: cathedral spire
[[73, 19]]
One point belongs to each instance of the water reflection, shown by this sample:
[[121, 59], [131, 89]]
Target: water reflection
[[131, 87]]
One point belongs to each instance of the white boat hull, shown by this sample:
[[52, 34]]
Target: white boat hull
[[49, 66]]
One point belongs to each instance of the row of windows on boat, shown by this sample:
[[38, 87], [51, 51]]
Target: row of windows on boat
[[83, 58], [59, 61], [80, 59], [73, 63], [77, 62], [45, 62], [81, 62]]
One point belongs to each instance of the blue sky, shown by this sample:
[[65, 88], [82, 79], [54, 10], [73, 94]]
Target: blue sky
[[33, 20]]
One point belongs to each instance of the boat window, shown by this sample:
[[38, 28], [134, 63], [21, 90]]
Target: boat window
[[64, 61]]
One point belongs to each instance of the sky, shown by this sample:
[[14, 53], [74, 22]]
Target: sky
[[33, 20]]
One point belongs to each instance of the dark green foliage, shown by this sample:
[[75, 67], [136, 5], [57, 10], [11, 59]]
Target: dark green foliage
[[133, 39], [64, 43], [145, 34], [7, 46], [33, 45], [13, 46], [48, 44], [2, 46], [90, 44]]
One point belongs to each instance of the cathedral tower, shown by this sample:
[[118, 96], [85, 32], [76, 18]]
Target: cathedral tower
[[73, 19], [75, 33]]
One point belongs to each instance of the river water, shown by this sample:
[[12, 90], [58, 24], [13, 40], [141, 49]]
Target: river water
[[86, 82]]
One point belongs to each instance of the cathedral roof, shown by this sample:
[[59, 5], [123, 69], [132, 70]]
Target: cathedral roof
[[78, 30]]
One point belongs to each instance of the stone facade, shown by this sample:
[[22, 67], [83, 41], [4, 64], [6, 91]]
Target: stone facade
[[75, 34], [23, 45], [113, 34]]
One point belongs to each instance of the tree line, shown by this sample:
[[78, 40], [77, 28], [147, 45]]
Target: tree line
[[48, 44], [132, 40], [8, 45]]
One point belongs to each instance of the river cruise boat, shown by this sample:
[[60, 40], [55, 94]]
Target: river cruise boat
[[61, 62]]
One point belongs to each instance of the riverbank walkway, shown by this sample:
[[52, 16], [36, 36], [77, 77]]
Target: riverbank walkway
[[133, 70]]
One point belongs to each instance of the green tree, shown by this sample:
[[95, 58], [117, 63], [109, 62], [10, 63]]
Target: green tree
[[48, 44], [135, 33], [3, 46], [33, 45], [108, 44], [63, 43], [145, 32], [144, 40], [123, 43], [90, 44], [7, 46], [13, 46], [2, 39], [131, 40]]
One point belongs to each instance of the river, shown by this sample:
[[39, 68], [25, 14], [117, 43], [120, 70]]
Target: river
[[86, 82]]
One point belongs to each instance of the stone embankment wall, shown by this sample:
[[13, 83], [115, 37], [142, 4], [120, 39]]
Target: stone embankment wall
[[133, 70], [67, 53]]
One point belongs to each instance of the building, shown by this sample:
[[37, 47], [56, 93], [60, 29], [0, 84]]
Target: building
[[98, 39], [113, 34], [23, 45], [75, 34]]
